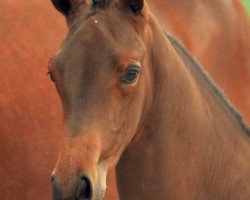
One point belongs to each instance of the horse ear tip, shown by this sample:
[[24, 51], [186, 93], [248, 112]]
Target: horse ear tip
[[62, 6]]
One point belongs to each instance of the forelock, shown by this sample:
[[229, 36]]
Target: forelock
[[100, 3]]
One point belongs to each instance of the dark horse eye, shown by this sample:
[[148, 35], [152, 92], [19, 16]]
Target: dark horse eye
[[51, 76], [130, 75]]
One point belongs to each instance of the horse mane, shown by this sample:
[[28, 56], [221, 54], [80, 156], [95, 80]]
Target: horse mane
[[183, 52]]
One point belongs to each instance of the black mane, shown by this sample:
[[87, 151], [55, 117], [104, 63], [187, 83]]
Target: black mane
[[184, 52]]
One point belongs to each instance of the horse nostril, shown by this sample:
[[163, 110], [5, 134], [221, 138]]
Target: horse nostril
[[52, 178], [84, 190]]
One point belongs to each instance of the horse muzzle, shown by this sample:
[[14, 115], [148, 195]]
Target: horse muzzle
[[82, 189]]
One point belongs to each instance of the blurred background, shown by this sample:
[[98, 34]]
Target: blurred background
[[247, 4]]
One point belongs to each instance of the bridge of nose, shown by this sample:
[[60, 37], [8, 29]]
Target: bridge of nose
[[76, 169]]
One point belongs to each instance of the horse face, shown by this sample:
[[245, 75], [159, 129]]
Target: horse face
[[101, 76]]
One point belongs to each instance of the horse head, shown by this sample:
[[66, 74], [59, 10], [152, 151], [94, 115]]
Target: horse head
[[101, 77]]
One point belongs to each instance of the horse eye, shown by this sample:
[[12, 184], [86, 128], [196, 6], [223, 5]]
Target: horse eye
[[130, 75], [52, 78]]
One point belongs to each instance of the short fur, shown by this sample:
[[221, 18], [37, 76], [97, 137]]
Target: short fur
[[183, 52]]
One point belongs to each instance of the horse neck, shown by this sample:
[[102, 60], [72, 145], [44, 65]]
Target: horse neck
[[192, 147]]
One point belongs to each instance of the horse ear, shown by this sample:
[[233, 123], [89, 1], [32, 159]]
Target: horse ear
[[135, 6], [63, 6]]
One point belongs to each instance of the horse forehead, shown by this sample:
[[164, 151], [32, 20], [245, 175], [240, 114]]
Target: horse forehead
[[91, 35], [96, 39], [106, 25]]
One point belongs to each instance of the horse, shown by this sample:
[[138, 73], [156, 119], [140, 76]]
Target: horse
[[216, 28], [29, 108], [137, 101]]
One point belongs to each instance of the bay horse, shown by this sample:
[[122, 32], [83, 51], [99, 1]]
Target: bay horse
[[29, 108], [136, 100]]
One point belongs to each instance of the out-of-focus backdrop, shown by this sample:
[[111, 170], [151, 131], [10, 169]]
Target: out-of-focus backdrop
[[247, 4]]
